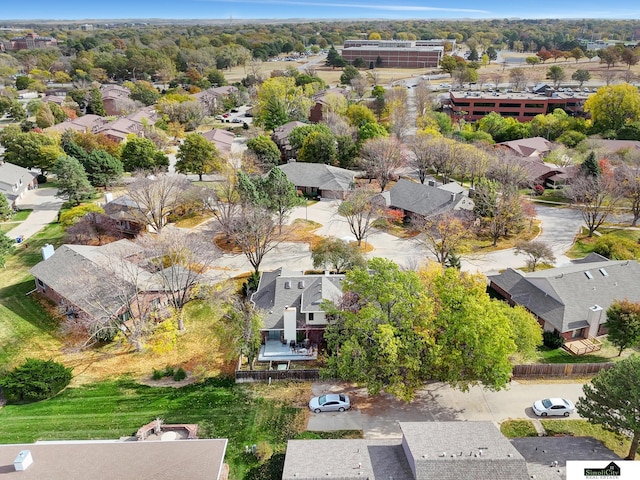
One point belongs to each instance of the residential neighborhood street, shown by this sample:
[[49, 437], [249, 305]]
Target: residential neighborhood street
[[378, 416]]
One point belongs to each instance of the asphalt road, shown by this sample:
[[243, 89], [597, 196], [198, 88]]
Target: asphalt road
[[378, 416]]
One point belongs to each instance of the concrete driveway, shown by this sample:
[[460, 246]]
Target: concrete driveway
[[45, 206], [378, 416]]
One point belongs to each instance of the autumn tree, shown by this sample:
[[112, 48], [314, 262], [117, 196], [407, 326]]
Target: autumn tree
[[612, 399], [613, 106], [623, 324], [156, 196], [360, 210], [381, 331], [30, 149], [280, 101], [337, 255], [380, 158], [443, 235], [197, 155], [536, 251]]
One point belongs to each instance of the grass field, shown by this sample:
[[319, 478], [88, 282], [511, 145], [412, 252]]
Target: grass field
[[518, 429], [111, 409]]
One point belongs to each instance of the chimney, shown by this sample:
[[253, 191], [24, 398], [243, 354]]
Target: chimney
[[593, 319], [453, 197], [23, 460], [290, 323], [47, 251], [108, 197]]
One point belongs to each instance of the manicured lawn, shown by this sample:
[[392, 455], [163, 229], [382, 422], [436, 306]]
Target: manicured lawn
[[518, 429], [583, 245], [608, 353], [111, 409], [582, 428], [21, 216]]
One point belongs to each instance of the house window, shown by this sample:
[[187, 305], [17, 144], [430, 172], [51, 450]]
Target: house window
[[311, 317], [577, 333], [41, 284], [123, 317]]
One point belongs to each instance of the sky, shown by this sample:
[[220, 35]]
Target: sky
[[316, 9]]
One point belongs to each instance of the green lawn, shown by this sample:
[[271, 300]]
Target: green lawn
[[112, 409], [518, 429], [608, 353], [22, 215]]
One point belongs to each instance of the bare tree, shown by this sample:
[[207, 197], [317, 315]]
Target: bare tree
[[608, 76], [420, 157], [360, 209], [424, 98], [443, 235], [255, 232], [473, 162], [338, 125], [381, 157], [508, 170], [443, 153], [518, 78], [223, 201], [359, 85], [396, 103], [596, 198], [242, 331], [179, 259], [536, 252], [154, 197], [628, 179]]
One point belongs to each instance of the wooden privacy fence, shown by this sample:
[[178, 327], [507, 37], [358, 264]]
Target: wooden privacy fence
[[243, 376], [536, 370]]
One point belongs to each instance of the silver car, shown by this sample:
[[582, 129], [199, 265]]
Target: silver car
[[553, 406], [331, 402]]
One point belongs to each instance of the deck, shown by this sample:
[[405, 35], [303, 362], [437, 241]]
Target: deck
[[274, 350], [583, 346]]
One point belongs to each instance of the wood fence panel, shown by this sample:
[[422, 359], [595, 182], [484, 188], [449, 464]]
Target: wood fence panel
[[243, 376], [536, 370]]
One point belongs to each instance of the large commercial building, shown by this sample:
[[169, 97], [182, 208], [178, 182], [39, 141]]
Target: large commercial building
[[523, 106], [30, 41], [394, 53]]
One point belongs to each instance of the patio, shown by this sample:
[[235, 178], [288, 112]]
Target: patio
[[582, 346], [276, 350]]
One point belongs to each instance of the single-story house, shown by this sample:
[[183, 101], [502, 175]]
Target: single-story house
[[426, 451], [201, 459], [573, 299], [536, 147], [83, 124], [417, 200], [95, 284], [318, 179], [125, 213], [211, 99], [222, 139], [280, 137], [293, 305], [15, 180]]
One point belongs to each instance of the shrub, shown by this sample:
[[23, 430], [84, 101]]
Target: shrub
[[180, 374], [552, 340], [157, 374], [538, 189], [263, 451], [35, 380], [617, 248], [42, 179], [168, 371]]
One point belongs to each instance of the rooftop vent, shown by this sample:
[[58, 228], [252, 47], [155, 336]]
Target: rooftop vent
[[603, 272], [301, 284], [287, 284], [588, 275]]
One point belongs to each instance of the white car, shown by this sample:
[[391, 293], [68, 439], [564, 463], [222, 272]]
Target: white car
[[331, 402], [553, 406]]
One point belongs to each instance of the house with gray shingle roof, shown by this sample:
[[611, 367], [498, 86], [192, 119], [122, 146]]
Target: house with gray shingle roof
[[15, 180], [292, 302], [318, 179], [96, 283], [426, 451], [424, 200], [572, 299]]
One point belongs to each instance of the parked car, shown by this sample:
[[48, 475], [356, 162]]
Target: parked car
[[234, 110], [236, 120], [553, 406], [226, 115], [331, 402]]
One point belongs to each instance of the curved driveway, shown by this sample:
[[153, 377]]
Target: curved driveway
[[45, 206]]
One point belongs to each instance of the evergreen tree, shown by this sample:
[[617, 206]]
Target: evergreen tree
[[590, 166], [6, 244], [5, 209], [103, 169], [73, 183]]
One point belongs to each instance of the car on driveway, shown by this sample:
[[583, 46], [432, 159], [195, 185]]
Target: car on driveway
[[553, 406], [331, 402]]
